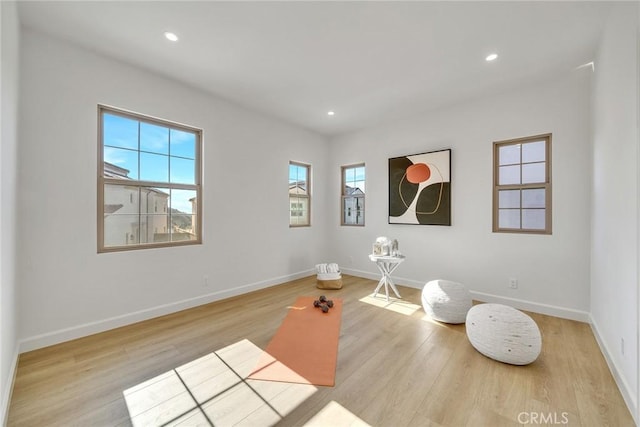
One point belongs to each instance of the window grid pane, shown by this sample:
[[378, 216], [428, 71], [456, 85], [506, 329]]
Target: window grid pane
[[534, 198], [154, 167], [534, 152], [522, 185], [154, 138], [353, 190], [299, 200], [182, 144], [136, 150], [533, 173], [509, 154], [120, 131], [120, 163], [182, 171], [509, 175], [153, 160], [509, 199], [353, 211], [533, 219], [509, 218]]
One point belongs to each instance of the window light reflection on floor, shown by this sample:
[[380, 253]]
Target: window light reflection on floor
[[394, 304], [215, 390], [334, 414]]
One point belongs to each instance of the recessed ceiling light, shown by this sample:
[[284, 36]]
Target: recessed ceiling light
[[171, 36], [492, 57], [330, 113]]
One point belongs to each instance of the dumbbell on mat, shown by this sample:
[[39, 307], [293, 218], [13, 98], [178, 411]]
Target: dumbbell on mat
[[323, 303]]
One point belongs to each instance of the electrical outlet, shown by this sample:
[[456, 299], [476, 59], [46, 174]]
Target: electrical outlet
[[205, 281], [513, 283], [622, 346], [350, 260]]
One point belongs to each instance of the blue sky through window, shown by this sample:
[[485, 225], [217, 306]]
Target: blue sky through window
[[298, 175], [354, 177], [152, 152], [154, 139]]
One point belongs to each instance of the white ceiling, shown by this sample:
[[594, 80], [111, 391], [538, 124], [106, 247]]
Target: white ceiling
[[367, 61]]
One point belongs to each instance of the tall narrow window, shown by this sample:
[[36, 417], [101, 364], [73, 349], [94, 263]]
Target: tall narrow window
[[522, 185], [149, 182], [352, 211], [299, 194]]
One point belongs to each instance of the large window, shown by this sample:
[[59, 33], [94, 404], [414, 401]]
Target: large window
[[522, 185], [149, 178], [352, 211], [299, 194]]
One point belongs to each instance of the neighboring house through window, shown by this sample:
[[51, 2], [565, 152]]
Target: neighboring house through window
[[299, 194], [522, 185], [353, 182], [149, 182]]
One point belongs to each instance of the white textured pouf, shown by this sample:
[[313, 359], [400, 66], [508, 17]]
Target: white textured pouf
[[503, 333], [446, 301]]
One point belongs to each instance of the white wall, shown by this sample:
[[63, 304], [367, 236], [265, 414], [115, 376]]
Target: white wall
[[552, 270], [66, 288], [614, 255], [9, 124]]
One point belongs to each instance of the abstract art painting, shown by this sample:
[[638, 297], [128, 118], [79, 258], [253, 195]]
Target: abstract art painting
[[420, 189]]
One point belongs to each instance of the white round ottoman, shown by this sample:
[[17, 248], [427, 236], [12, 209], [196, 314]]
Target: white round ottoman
[[503, 333], [446, 301]]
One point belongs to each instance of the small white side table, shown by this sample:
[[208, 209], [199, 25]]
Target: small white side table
[[387, 264]]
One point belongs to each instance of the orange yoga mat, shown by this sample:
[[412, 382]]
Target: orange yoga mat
[[305, 347]]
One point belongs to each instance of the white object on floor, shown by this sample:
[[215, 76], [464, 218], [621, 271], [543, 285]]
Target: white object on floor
[[328, 271], [503, 334], [333, 268], [329, 276], [327, 268], [446, 301], [386, 264]]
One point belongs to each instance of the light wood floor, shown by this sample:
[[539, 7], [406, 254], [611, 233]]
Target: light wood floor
[[394, 369]]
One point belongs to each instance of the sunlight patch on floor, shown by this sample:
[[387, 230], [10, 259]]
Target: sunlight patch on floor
[[215, 390], [335, 415], [394, 304]]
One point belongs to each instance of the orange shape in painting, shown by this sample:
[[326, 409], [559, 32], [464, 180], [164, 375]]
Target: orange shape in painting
[[418, 173]]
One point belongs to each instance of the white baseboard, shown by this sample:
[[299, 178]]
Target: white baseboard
[[8, 388], [628, 394], [376, 276], [550, 310], [360, 273], [67, 334], [536, 307]]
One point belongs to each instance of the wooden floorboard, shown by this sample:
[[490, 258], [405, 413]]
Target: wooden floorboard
[[393, 369]]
